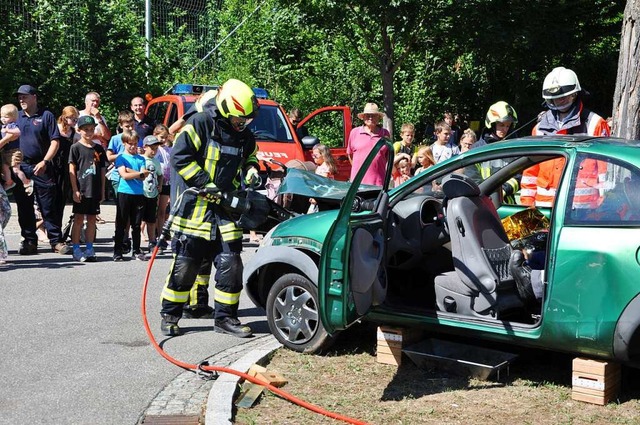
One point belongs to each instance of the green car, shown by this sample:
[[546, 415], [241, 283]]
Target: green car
[[434, 253]]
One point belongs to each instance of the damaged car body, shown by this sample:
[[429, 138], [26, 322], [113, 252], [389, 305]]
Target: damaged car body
[[434, 253]]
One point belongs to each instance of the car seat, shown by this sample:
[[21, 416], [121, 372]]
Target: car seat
[[481, 284]]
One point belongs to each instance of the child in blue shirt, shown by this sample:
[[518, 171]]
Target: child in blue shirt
[[132, 171]]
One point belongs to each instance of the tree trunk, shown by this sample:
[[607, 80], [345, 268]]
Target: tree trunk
[[626, 100], [388, 98]]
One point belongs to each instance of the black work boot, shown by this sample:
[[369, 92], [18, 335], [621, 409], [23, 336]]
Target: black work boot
[[28, 248], [522, 275], [232, 326], [169, 325], [197, 311]]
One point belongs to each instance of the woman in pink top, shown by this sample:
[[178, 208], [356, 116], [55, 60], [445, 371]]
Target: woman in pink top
[[362, 139]]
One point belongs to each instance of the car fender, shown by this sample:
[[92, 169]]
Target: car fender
[[626, 339], [291, 257]]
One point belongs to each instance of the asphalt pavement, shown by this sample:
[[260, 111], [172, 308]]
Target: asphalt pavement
[[74, 350]]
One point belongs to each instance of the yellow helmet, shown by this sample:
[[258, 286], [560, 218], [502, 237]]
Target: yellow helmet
[[500, 112], [236, 99]]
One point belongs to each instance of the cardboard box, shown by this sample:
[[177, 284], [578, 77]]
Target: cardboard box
[[595, 381], [391, 340]]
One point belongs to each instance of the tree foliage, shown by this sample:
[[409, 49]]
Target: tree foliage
[[417, 58]]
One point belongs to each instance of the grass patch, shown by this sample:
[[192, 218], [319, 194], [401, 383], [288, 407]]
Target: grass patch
[[348, 380]]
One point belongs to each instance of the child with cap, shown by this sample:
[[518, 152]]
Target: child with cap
[[152, 185], [87, 169], [164, 158]]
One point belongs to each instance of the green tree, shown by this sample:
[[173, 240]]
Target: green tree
[[381, 34]]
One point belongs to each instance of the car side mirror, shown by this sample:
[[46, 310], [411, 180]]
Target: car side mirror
[[309, 142]]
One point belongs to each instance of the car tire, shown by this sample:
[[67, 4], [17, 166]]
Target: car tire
[[293, 314]]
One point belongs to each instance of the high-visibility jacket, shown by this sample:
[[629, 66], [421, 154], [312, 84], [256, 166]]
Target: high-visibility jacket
[[540, 182], [207, 150], [487, 168]]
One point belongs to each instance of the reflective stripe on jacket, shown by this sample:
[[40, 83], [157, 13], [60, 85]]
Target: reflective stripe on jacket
[[207, 150]]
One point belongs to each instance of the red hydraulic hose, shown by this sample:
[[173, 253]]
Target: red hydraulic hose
[[189, 366]]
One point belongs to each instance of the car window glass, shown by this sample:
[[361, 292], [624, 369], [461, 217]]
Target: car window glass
[[270, 125], [478, 171], [603, 192], [157, 111], [173, 115]]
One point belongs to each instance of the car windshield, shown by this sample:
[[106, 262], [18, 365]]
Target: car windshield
[[270, 125], [478, 172]]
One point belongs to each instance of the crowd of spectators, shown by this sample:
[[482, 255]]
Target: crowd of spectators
[[48, 162]]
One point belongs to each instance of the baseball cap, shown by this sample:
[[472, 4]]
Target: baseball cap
[[26, 89], [86, 120], [151, 140]]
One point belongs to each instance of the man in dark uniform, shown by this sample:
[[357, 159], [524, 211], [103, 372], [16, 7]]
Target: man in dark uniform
[[144, 124], [211, 151], [39, 143]]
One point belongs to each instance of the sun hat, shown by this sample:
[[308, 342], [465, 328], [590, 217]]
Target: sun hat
[[370, 108]]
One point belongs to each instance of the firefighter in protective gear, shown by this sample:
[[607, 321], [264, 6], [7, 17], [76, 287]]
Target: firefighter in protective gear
[[500, 122], [212, 152], [562, 93]]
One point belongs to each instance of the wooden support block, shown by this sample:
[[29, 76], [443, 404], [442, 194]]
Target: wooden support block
[[595, 367], [390, 343], [595, 381], [272, 378], [255, 369], [600, 400], [249, 395], [390, 359]]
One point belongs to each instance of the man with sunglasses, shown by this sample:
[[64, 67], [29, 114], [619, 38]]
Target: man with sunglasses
[[212, 151], [102, 134]]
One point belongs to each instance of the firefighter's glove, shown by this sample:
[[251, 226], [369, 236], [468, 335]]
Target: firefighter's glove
[[233, 202], [252, 178], [210, 193]]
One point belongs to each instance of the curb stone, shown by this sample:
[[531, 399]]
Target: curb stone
[[220, 402], [187, 394]]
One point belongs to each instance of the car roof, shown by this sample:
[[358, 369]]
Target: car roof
[[603, 145]]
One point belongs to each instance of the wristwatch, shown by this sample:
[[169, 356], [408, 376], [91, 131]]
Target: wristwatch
[[141, 175], [47, 162]]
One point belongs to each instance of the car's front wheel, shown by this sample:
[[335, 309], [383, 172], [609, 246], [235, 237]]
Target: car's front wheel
[[293, 316]]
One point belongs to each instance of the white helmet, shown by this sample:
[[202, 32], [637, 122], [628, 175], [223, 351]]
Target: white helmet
[[560, 82]]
